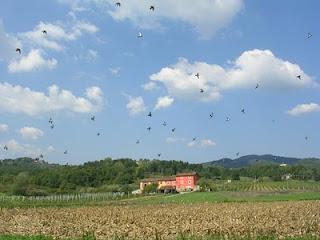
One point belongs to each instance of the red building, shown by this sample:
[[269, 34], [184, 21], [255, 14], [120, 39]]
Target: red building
[[186, 181], [181, 182]]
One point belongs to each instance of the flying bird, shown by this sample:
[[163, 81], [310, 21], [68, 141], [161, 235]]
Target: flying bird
[[65, 152], [52, 126], [242, 110], [140, 35], [228, 119], [98, 134], [149, 128], [237, 154], [173, 129], [201, 90], [5, 148], [44, 32], [211, 115], [93, 118], [164, 124], [150, 114], [197, 75], [299, 76], [50, 121], [138, 141], [118, 4], [309, 35], [152, 8], [41, 156], [306, 138], [18, 50], [257, 86], [193, 139]]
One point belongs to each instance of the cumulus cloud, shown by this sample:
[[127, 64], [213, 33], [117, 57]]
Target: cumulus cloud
[[301, 109], [251, 67], [149, 86], [206, 16], [18, 99], [19, 149], [57, 33], [163, 102], [3, 127], [31, 133], [136, 105], [33, 61], [8, 44]]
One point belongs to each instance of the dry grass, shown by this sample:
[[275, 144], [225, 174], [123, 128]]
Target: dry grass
[[167, 221]]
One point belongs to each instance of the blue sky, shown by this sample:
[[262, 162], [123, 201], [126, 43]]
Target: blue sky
[[91, 63]]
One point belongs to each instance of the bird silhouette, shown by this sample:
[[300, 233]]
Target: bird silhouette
[[50, 121], [41, 156], [309, 35], [242, 110], [18, 50], [5, 148], [44, 32], [138, 141], [237, 154], [201, 90], [140, 35], [173, 129], [150, 114], [65, 152], [159, 154], [299, 76], [257, 86], [193, 139], [151, 8], [98, 134], [306, 138], [52, 126], [164, 124], [118, 4], [228, 119], [211, 115], [197, 75], [93, 118], [149, 128]]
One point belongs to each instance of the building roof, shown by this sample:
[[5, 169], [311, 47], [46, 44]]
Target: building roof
[[186, 174], [167, 187], [169, 178]]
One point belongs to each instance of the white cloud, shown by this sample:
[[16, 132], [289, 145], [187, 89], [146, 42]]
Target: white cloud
[[251, 67], [16, 149], [174, 139], [206, 16], [18, 99], [56, 33], [136, 105], [304, 109], [3, 127], [207, 143], [203, 143], [8, 44], [31, 133], [33, 61], [92, 55], [163, 102], [114, 71], [149, 86]]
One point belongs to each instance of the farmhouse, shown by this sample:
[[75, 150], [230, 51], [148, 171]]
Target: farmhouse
[[182, 182]]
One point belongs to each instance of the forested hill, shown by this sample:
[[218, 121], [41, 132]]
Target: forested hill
[[267, 159]]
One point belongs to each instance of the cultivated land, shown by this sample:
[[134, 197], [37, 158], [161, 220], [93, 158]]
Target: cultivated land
[[228, 213]]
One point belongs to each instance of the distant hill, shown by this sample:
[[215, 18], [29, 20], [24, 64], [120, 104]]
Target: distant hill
[[267, 159]]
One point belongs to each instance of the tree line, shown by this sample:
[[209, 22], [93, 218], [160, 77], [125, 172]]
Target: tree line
[[26, 176]]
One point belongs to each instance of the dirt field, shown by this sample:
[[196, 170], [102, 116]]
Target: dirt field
[[138, 221]]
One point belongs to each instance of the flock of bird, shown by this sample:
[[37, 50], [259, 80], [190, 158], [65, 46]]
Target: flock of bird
[[197, 75]]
